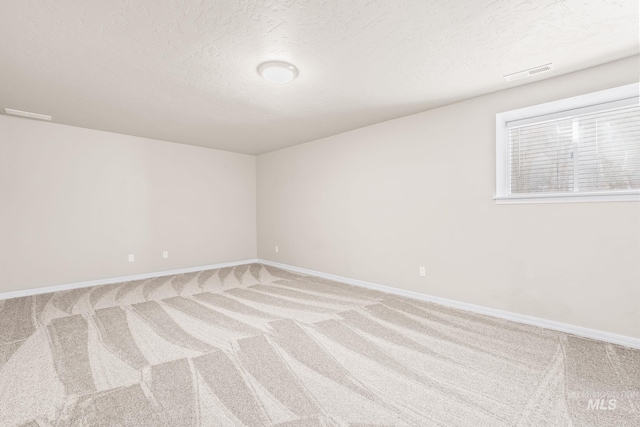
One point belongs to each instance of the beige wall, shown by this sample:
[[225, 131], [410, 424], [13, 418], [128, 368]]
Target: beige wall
[[375, 203], [75, 202]]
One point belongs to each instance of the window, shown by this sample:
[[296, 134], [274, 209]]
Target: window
[[585, 148]]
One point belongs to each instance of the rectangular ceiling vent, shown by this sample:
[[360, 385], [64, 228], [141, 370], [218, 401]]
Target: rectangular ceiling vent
[[528, 73], [27, 114]]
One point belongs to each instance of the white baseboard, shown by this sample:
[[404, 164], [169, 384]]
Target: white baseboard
[[520, 318], [68, 286]]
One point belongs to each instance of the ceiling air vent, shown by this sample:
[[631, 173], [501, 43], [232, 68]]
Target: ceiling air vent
[[528, 73], [27, 114]]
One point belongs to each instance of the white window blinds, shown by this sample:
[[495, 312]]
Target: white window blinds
[[585, 153]]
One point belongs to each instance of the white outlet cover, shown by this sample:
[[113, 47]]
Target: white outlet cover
[[423, 272], [131, 258], [276, 249]]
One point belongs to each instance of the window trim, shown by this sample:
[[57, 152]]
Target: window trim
[[618, 96]]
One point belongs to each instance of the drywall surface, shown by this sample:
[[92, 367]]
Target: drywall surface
[[186, 71], [74, 203], [376, 203]]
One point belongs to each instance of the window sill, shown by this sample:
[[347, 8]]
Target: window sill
[[630, 196]]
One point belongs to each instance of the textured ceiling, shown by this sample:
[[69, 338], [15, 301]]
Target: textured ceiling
[[185, 71]]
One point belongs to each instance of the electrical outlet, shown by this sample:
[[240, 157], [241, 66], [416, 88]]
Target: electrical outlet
[[131, 258], [277, 249], [165, 254], [423, 271]]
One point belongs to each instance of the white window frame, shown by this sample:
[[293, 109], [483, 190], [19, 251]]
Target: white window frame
[[610, 98]]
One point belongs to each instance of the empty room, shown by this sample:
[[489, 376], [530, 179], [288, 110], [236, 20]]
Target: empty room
[[290, 213]]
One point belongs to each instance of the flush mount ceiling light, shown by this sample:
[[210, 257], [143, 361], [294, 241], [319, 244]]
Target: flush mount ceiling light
[[277, 72], [27, 114]]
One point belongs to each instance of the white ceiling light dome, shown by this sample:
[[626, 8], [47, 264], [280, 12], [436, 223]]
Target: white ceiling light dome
[[277, 72]]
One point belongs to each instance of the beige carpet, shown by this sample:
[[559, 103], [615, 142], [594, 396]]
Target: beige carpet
[[258, 346]]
